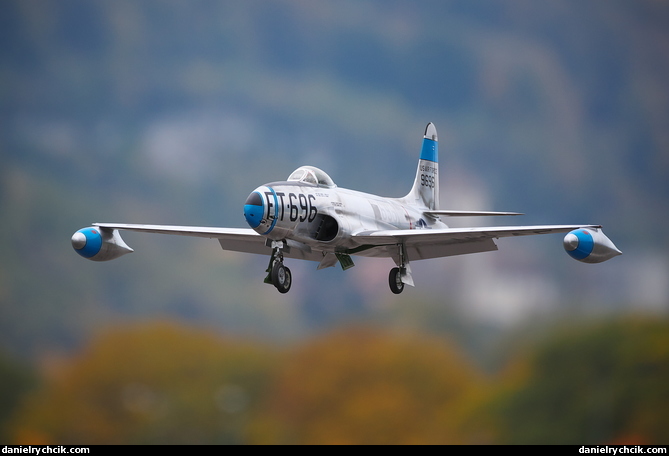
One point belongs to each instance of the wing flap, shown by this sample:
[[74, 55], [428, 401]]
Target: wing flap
[[418, 251], [470, 213]]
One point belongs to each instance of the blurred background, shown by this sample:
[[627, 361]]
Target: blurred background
[[172, 112]]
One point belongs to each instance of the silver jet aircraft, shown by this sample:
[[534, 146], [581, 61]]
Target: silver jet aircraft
[[309, 218]]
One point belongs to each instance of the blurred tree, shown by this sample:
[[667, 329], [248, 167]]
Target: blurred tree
[[17, 379], [157, 383], [603, 383], [361, 386]]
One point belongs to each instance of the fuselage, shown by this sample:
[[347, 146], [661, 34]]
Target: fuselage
[[324, 217]]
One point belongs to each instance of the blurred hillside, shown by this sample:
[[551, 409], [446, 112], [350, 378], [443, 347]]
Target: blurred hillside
[[167, 383], [172, 112]]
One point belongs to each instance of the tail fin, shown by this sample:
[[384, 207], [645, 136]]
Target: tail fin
[[425, 190]]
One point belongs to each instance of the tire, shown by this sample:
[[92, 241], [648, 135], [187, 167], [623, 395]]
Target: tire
[[395, 281], [281, 278]]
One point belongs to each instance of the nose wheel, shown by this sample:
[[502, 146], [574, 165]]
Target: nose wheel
[[281, 277], [278, 274]]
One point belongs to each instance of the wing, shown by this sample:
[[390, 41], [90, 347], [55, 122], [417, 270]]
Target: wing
[[234, 239], [425, 244]]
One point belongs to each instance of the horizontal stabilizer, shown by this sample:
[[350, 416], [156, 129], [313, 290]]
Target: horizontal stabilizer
[[470, 213]]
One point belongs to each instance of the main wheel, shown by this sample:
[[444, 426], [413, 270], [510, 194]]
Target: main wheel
[[281, 278], [395, 281]]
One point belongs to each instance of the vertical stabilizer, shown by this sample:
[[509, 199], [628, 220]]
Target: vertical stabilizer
[[425, 190]]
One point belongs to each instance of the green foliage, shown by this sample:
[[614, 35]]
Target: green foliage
[[15, 381], [592, 384]]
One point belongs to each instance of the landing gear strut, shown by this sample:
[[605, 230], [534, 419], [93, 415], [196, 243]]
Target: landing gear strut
[[277, 274]]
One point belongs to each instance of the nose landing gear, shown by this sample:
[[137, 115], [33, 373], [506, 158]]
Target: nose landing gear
[[281, 277], [278, 274]]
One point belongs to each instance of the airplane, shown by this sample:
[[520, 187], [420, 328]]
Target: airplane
[[308, 217]]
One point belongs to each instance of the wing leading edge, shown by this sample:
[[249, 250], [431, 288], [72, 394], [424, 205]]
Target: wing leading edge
[[426, 244], [235, 239]]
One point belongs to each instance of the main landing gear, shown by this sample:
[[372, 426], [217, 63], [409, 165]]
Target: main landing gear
[[400, 275], [278, 274], [395, 281], [281, 277]]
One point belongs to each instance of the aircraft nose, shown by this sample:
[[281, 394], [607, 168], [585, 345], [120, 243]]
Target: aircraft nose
[[254, 210]]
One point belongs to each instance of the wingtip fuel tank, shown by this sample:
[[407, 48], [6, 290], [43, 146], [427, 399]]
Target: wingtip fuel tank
[[99, 244], [590, 245]]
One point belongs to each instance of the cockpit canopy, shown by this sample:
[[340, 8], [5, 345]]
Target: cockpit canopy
[[312, 175]]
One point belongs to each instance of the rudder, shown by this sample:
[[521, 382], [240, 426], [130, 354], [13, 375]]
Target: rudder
[[425, 190]]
